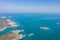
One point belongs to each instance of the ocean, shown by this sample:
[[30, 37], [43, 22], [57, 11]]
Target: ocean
[[31, 23]]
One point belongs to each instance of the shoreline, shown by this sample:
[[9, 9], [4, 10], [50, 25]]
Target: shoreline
[[12, 35], [7, 23]]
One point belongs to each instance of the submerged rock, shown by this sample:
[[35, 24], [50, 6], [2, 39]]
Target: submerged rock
[[45, 28]]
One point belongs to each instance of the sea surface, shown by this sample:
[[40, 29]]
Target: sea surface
[[31, 23]]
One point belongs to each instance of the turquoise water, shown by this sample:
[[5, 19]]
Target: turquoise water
[[31, 23]]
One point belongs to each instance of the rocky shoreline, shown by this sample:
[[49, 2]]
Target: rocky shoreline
[[6, 23], [12, 35]]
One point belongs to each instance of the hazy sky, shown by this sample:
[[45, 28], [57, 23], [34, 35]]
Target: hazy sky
[[44, 6]]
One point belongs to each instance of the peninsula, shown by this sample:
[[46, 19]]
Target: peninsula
[[13, 35], [6, 23]]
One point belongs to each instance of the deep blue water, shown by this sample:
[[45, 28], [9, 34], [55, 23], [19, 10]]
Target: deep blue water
[[31, 23]]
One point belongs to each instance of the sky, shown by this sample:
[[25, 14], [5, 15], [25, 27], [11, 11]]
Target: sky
[[36, 6]]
